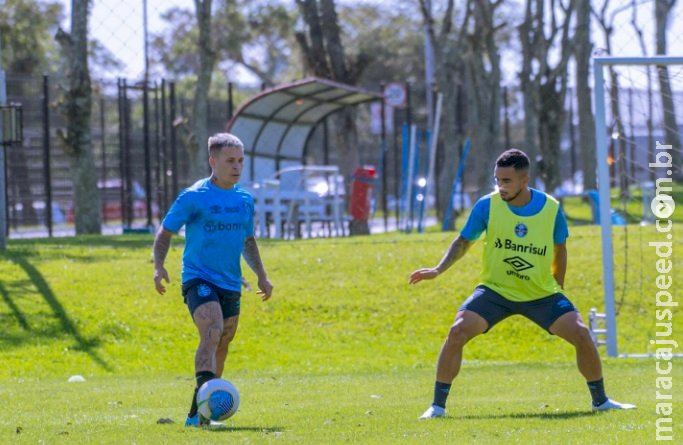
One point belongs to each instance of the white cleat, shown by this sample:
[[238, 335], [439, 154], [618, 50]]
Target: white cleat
[[611, 404], [433, 412]]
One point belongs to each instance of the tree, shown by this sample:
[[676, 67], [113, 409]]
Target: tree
[[582, 55], [254, 34], [662, 10], [325, 56], [207, 61], [606, 23], [468, 73], [544, 85], [26, 28], [77, 108], [650, 105]]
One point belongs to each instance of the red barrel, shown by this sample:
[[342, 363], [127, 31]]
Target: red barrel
[[362, 183]]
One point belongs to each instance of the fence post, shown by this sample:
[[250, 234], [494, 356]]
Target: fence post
[[46, 154], [3, 177], [174, 151]]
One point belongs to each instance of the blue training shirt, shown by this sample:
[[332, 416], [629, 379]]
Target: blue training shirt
[[217, 221], [479, 218]]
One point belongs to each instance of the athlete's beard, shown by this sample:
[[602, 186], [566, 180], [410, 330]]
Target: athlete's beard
[[516, 195]]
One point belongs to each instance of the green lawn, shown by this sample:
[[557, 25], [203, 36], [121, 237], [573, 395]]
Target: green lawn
[[343, 353]]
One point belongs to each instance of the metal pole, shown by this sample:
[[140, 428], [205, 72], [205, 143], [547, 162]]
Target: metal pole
[[103, 141], [605, 216], [164, 143], [3, 177], [46, 154], [122, 144], [383, 114], [434, 142], [147, 152], [145, 37], [397, 173], [174, 149], [158, 176]]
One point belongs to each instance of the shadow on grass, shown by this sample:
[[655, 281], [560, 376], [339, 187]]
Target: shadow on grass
[[113, 241], [67, 325], [21, 319], [554, 415]]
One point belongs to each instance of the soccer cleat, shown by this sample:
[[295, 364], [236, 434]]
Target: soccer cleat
[[196, 421], [611, 404], [433, 412]]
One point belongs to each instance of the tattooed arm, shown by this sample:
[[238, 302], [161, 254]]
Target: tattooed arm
[[162, 242], [456, 251], [253, 258]]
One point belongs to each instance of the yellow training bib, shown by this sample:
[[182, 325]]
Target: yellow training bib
[[519, 251]]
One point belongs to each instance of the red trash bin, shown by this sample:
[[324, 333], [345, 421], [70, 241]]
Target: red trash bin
[[360, 203]]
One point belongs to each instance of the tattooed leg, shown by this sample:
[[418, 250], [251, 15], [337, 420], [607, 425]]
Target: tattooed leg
[[209, 321]]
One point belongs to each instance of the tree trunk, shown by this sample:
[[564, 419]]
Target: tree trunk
[[551, 121], [207, 59], [483, 64], [78, 106], [584, 95], [545, 86]]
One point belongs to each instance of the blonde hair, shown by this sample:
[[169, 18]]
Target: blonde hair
[[222, 140]]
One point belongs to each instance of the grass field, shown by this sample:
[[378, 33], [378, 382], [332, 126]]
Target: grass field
[[343, 353]]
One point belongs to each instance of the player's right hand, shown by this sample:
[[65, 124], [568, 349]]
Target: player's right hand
[[428, 273], [160, 273]]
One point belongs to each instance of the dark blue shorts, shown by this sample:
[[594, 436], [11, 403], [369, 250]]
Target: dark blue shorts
[[493, 307], [197, 292]]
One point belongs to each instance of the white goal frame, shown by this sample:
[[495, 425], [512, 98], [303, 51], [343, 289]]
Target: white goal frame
[[599, 64]]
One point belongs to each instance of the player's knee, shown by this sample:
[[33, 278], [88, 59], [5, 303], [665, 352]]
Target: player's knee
[[229, 334], [580, 335], [457, 335], [214, 334]]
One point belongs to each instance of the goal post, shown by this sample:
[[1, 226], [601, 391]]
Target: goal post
[[600, 64]]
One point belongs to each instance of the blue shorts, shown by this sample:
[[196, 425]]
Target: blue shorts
[[197, 292], [493, 307]]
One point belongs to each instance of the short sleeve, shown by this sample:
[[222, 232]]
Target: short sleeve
[[180, 213], [478, 220], [561, 231], [249, 225]]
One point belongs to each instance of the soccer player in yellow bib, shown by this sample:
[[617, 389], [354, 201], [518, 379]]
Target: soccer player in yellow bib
[[525, 260]]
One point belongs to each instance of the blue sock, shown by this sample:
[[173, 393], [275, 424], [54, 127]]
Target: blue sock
[[597, 389], [441, 391]]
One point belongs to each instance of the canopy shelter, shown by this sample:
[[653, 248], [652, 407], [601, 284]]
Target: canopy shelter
[[276, 125]]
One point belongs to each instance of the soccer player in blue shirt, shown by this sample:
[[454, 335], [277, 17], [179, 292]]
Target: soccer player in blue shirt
[[218, 216], [524, 264]]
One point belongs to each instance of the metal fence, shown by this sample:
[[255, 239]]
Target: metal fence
[[139, 153]]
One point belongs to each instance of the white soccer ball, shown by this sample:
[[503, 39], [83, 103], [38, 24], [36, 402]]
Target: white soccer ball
[[218, 399]]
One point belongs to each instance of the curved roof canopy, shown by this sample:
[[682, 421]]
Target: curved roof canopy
[[276, 124]]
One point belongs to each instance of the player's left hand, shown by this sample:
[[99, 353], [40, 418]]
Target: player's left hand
[[265, 289]]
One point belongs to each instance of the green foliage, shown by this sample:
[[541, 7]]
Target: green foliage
[[26, 30], [257, 35]]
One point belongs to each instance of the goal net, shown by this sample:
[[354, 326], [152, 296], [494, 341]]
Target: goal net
[[639, 117]]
